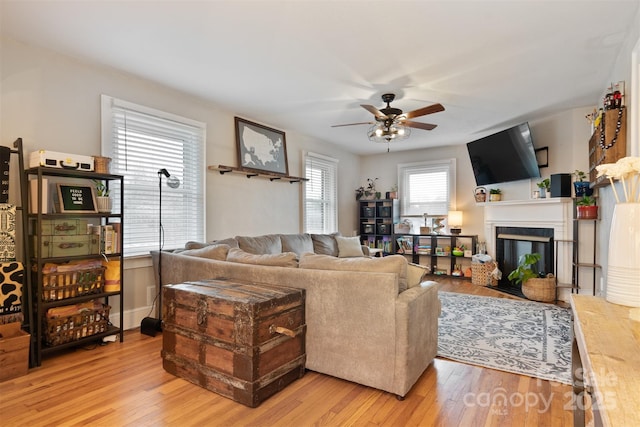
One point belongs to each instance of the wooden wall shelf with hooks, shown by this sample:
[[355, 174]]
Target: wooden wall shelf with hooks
[[250, 173]]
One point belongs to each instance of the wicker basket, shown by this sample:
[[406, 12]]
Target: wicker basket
[[60, 330], [481, 274], [101, 164], [540, 289], [60, 285]]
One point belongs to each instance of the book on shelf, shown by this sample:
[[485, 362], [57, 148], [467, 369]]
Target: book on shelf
[[109, 237], [405, 246]]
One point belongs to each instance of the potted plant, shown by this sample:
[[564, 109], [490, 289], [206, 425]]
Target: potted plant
[[536, 286], [393, 194], [368, 192], [586, 208], [544, 186], [102, 196], [580, 186], [495, 195]]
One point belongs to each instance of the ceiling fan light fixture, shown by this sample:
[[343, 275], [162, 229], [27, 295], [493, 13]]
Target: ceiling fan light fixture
[[383, 133]]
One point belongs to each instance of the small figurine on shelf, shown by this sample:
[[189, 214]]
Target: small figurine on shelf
[[457, 271], [437, 225]]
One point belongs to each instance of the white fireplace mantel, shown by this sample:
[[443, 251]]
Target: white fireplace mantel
[[555, 213]]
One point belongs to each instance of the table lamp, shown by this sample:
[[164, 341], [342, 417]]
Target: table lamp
[[455, 222]]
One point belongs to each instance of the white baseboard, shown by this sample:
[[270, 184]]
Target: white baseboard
[[132, 318]]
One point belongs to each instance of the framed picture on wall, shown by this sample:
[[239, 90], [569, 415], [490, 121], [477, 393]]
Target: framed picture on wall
[[261, 148]]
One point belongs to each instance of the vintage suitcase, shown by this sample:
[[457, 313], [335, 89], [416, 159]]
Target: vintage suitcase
[[62, 246], [244, 341], [55, 159], [64, 227]]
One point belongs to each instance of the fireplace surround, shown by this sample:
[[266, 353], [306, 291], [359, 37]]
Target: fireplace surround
[[554, 215], [513, 242]]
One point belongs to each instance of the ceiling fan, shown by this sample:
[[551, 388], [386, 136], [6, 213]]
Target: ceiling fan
[[391, 123]]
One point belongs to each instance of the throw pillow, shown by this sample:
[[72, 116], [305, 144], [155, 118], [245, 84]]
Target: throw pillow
[[218, 252], [298, 243], [284, 259], [349, 247], [325, 244], [267, 244], [416, 274], [389, 264]]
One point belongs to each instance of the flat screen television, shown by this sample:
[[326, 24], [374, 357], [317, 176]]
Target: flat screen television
[[504, 156]]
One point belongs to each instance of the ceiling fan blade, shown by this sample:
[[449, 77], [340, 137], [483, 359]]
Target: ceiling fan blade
[[425, 126], [352, 124], [435, 108], [373, 110]]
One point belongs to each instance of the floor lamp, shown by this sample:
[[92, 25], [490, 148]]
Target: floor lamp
[[151, 325]]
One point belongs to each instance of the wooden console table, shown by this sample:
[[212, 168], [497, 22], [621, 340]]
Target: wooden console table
[[607, 348]]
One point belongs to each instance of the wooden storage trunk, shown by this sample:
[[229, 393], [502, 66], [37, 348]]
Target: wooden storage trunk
[[242, 340]]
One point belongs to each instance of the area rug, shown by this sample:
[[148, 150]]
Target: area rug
[[522, 337]]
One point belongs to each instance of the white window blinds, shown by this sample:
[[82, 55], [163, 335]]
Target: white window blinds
[[320, 194], [140, 142], [426, 187]]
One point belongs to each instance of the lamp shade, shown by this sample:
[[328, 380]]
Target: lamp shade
[[455, 218]]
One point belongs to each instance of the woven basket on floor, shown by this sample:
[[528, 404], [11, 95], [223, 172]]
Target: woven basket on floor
[[481, 274], [540, 289]]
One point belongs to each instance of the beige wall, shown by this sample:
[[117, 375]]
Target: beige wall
[[53, 102]]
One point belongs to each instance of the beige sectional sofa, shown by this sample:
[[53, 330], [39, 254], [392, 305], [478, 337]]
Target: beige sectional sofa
[[372, 321]]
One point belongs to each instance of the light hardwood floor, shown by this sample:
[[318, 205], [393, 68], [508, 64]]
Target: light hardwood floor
[[123, 384]]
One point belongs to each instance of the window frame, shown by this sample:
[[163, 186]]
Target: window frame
[[327, 225], [191, 193], [405, 168]]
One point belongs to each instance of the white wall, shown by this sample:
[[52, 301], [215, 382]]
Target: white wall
[[53, 103]]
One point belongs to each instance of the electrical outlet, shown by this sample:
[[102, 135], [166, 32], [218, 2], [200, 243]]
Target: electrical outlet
[[151, 294]]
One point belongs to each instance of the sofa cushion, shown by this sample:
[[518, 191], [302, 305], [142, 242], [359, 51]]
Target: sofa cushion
[[349, 247], [195, 245], [298, 243], [267, 244], [416, 274], [218, 252], [284, 259], [389, 264], [231, 241], [325, 244]]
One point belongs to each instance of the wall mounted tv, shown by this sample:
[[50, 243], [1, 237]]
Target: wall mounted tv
[[504, 156]]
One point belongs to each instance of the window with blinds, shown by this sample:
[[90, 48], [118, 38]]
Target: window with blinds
[[140, 142], [427, 187], [320, 194]]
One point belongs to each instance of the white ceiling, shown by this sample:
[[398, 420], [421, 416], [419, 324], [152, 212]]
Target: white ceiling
[[307, 65]]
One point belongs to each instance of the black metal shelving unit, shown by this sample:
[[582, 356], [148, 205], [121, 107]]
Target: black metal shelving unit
[[35, 260]]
